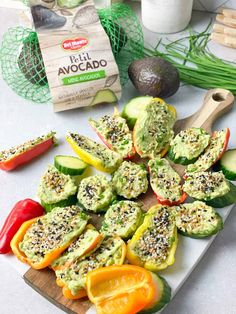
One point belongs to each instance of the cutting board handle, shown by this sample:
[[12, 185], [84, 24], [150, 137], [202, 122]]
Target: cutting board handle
[[216, 102]]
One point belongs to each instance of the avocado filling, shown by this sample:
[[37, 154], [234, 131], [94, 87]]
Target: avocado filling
[[164, 181], [154, 129], [109, 158], [130, 180], [190, 143], [55, 186], [155, 243], [53, 231], [95, 193], [197, 219], [115, 132], [17, 150], [122, 219], [211, 154], [206, 185], [110, 252], [78, 248]]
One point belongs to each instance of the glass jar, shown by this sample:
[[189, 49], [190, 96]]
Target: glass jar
[[99, 4], [166, 16]]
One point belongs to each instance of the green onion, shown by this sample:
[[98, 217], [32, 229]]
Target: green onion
[[196, 64]]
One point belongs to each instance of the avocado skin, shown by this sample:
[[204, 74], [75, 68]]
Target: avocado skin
[[45, 18], [30, 61], [154, 76]]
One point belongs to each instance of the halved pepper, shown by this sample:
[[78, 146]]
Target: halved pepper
[[214, 151], [154, 243], [72, 278], [165, 182], [67, 292], [22, 211], [93, 153], [188, 145], [19, 155], [86, 242], [125, 289], [115, 134], [153, 129], [32, 242]]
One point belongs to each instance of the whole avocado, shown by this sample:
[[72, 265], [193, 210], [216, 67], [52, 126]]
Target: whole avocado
[[154, 76], [30, 61]]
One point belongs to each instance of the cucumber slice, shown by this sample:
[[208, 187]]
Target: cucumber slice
[[188, 145], [132, 109], [71, 200], [225, 200], [163, 295], [228, 164], [69, 165], [197, 220], [122, 219], [180, 160]]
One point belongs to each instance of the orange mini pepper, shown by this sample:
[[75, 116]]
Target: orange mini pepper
[[18, 237], [67, 292], [125, 289], [95, 239], [92, 255], [48, 257]]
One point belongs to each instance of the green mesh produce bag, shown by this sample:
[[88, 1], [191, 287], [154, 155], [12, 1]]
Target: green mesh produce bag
[[22, 64], [125, 32]]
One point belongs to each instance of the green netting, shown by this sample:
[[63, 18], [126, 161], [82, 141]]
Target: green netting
[[125, 33], [22, 66], [21, 60]]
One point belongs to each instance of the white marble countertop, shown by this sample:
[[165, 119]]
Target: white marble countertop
[[211, 287]]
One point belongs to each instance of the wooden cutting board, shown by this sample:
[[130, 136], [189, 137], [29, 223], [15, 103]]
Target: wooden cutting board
[[216, 103]]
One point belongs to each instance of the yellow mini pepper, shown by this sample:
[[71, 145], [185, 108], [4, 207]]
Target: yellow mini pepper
[[154, 244]]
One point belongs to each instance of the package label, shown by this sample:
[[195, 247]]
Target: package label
[[79, 63]]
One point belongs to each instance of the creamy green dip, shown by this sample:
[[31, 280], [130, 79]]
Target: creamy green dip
[[114, 130], [197, 219], [211, 154], [77, 248], [107, 157], [130, 180], [164, 181], [95, 193], [154, 129], [52, 231], [122, 219], [17, 150], [190, 143], [156, 236], [55, 186], [206, 185], [109, 253]]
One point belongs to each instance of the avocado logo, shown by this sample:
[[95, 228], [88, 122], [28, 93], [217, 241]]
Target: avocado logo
[[74, 44]]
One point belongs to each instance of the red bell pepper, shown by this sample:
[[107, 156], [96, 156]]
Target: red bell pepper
[[197, 166], [161, 200], [170, 203], [15, 156], [227, 136], [22, 211]]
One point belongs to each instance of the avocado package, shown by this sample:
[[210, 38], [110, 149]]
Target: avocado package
[[79, 63]]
